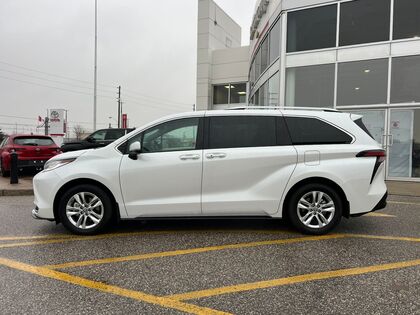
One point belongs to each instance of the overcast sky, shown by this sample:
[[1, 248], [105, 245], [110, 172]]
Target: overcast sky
[[147, 47]]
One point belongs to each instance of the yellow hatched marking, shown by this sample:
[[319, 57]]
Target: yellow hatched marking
[[403, 203], [378, 214], [99, 286], [292, 280], [127, 234], [192, 251], [389, 238], [34, 237]]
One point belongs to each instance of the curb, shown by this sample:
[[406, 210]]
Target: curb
[[16, 192]]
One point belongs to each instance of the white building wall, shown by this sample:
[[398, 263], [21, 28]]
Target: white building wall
[[220, 57]]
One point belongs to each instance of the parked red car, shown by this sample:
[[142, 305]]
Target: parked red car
[[33, 151]]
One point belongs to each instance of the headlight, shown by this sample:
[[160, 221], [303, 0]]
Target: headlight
[[52, 165]]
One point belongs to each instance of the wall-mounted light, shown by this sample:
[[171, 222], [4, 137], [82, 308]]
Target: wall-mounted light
[[367, 70]]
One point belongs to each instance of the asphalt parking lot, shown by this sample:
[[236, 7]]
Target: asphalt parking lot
[[369, 265]]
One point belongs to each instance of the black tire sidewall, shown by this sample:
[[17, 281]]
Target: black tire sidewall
[[103, 196], [299, 193]]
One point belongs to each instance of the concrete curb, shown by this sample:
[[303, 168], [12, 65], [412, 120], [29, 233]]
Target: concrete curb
[[16, 192]]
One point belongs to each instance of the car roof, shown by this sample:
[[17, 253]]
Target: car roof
[[17, 135]]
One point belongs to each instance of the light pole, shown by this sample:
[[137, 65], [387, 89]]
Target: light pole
[[95, 66]]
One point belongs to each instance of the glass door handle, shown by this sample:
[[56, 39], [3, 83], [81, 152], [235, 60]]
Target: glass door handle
[[384, 141], [390, 140]]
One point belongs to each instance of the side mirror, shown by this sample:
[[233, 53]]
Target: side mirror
[[90, 139], [134, 150]]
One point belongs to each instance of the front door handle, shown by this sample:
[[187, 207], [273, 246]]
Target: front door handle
[[185, 157], [219, 155]]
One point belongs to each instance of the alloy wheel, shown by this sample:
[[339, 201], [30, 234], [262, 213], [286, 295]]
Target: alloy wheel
[[85, 210], [315, 209]]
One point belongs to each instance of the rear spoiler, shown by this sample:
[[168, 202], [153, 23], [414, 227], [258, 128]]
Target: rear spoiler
[[355, 117]]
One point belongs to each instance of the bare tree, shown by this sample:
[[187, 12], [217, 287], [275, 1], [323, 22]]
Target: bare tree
[[79, 131]]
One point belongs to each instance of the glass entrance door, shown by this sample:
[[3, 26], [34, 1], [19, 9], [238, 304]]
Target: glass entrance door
[[404, 144]]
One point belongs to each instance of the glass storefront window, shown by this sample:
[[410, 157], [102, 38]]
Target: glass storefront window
[[312, 28], [311, 86], [406, 19], [229, 93], [364, 21], [404, 152], [275, 42], [263, 94], [273, 90], [374, 121], [264, 54], [221, 94], [257, 61], [362, 82], [405, 79], [238, 93]]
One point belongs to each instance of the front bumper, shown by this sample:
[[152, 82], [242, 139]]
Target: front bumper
[[46, 185]]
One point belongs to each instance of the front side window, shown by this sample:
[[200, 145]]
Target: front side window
[[364, 21], [99, 135], [242, 131], [307, 130], [176, 135], [114, 134], [310, 86], [312, 28]]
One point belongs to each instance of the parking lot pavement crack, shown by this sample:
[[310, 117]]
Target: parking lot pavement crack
[[292, 280], [99, 286]]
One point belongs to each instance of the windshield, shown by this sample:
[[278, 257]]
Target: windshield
[[35, 141]]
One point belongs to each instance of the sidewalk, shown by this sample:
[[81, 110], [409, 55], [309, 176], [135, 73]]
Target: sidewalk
[[24, 188]]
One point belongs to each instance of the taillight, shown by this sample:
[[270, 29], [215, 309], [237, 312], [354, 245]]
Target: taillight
[[380, 158]]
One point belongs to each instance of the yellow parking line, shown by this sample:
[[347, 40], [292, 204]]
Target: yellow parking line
[[191, 251], [34, 237], [377, 214], [127, 234], [292, 280], [403, 203], [380, 237], [99, 286]]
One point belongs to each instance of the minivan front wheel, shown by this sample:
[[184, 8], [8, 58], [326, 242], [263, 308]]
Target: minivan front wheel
[[315, 209], [85, 209]]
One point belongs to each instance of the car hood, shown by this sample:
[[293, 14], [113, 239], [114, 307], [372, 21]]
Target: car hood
[[70, 155], [73, 142]]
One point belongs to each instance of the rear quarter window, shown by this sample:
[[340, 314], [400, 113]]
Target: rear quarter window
[[309, 130]]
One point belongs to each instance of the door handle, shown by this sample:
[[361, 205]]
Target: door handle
[[189, 157], [391, 140], [216, 155]]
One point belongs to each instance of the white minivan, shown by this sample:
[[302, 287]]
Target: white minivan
[[311, 166]]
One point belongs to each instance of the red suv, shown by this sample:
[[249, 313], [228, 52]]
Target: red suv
[[33, 151]]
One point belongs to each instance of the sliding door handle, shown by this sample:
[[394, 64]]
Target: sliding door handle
[[185, 157], [218, 155]]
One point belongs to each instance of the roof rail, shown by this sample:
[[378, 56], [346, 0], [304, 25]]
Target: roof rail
[[325, 109]]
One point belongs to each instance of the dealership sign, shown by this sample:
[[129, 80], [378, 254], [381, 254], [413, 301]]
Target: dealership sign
[[56, 122], [261, 10]]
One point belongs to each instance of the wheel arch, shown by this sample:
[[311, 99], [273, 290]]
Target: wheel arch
[[84, 181], [318, 180]]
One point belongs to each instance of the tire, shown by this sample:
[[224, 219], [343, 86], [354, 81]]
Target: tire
[[317, 216], [80, 218], [3, 172]]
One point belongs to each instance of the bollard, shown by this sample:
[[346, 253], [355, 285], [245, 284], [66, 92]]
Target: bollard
[[14, 168]]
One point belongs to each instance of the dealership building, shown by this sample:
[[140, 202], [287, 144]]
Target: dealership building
[[359, 56]]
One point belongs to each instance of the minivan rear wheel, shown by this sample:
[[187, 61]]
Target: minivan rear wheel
[[85, 209], [315, 209]]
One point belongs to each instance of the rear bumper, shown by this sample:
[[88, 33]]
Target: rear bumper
[[380, 205]]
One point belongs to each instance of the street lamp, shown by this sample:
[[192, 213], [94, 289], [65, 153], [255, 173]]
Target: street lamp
[[95, 66]]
